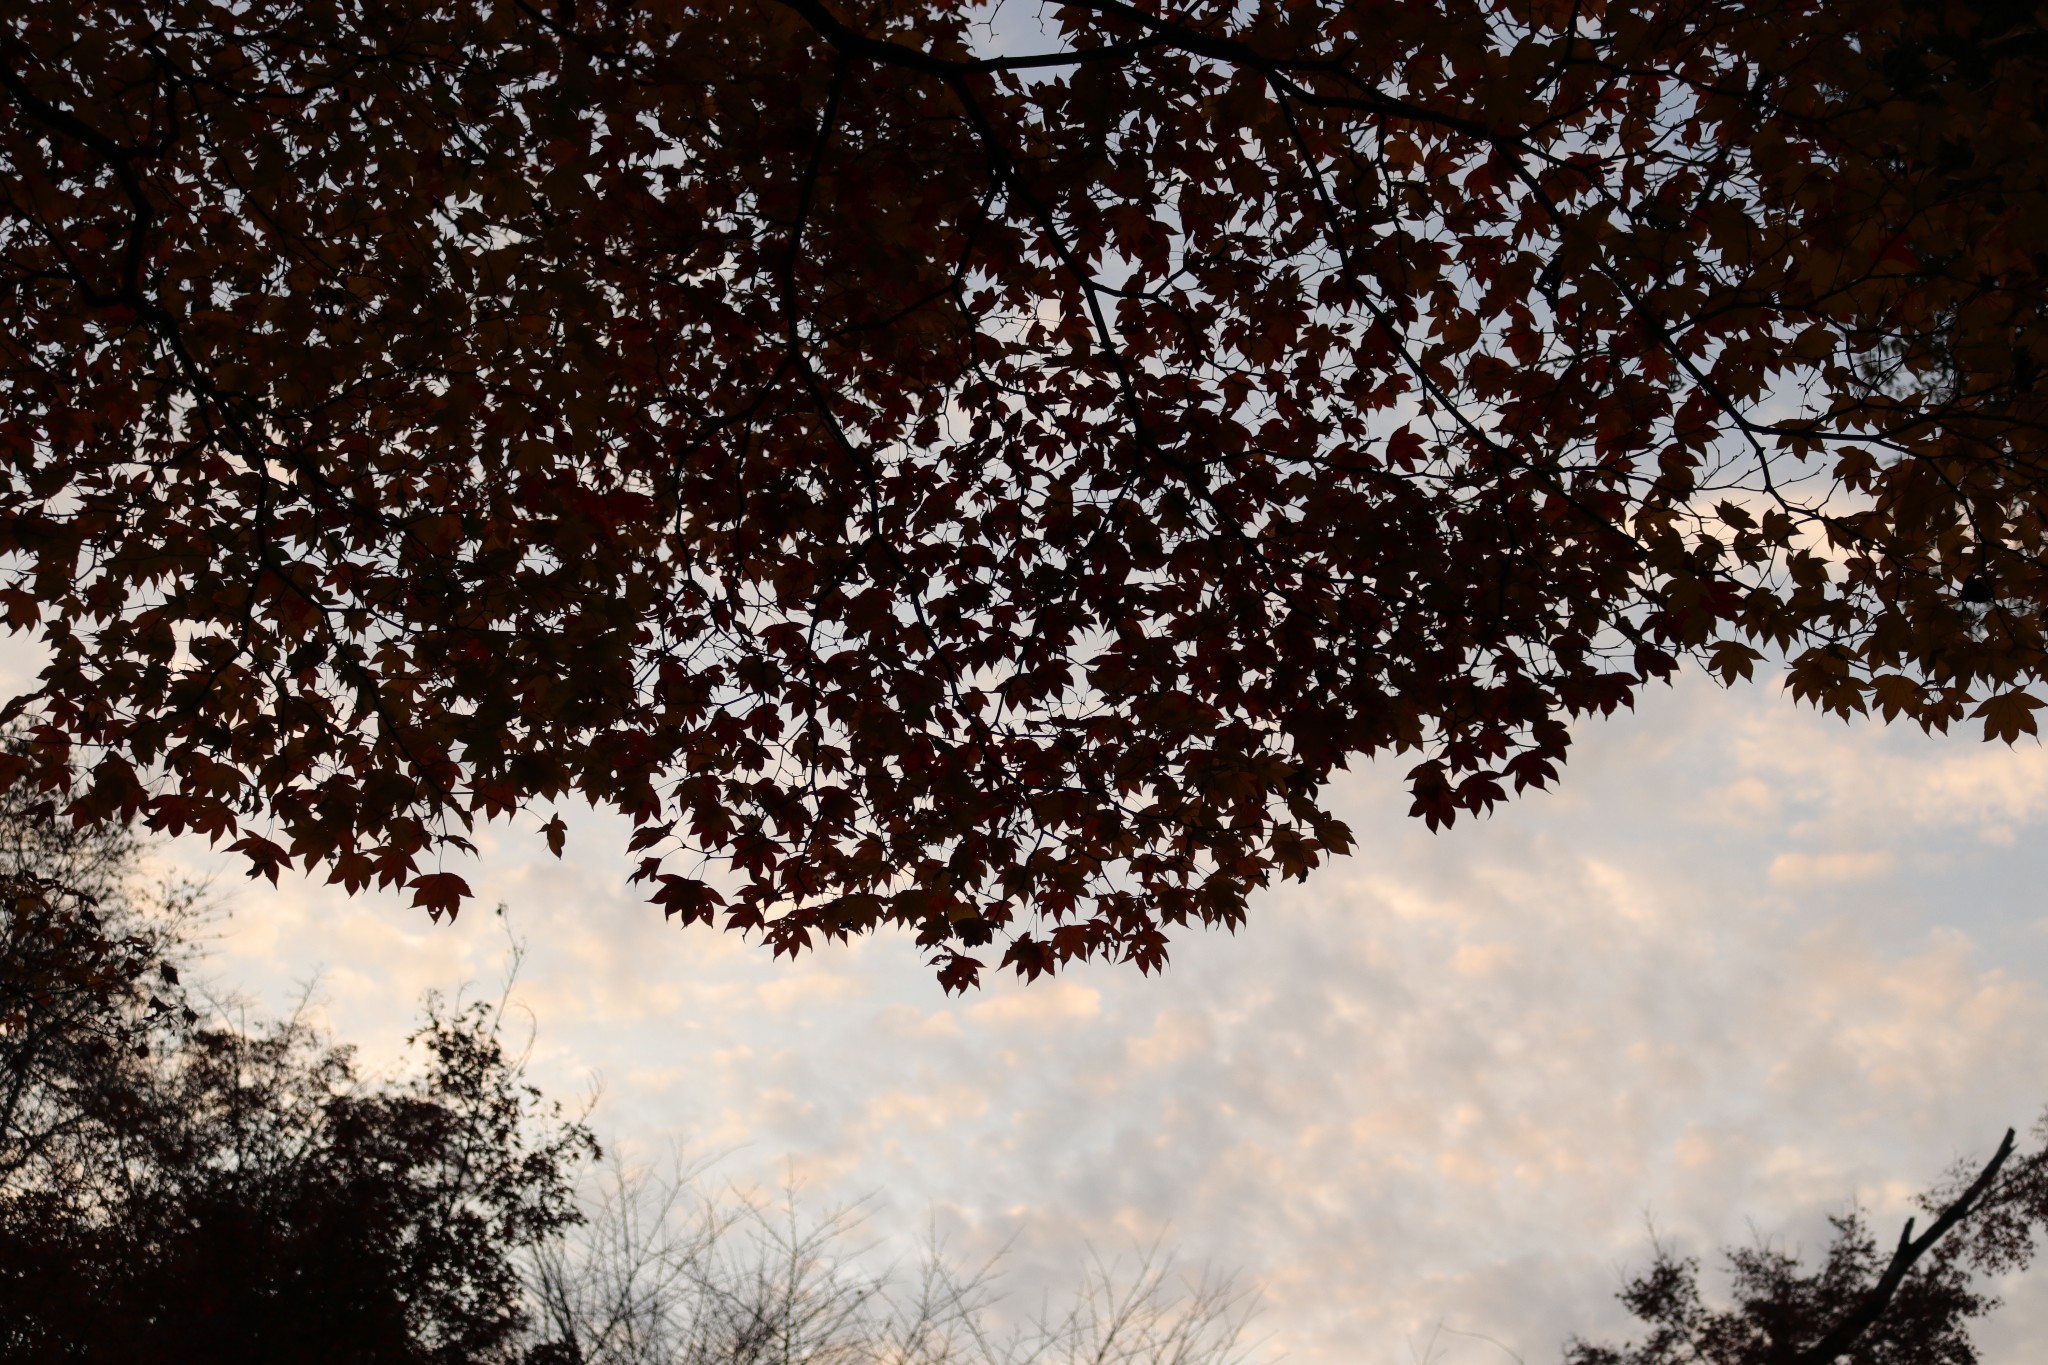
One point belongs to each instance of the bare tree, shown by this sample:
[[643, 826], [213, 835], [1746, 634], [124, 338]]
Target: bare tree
[[659, 1273], [1152, 1314]]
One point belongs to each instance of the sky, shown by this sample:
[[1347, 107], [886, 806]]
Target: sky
[[1747, 967]]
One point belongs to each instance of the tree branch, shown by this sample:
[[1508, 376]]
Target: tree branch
[[1845, 1334]]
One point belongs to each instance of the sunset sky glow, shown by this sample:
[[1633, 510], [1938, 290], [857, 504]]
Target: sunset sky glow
[[1748, 965]]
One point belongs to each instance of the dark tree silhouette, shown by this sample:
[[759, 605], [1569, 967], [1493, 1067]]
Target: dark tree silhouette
[[1913, 1305], [180, 1191], [87, 977]]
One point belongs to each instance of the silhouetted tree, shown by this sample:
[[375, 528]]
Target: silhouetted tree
[[176, 1191], [1914, 1306], [87, 975]]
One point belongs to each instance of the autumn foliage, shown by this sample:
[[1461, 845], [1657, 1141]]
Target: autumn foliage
[[985, 480]]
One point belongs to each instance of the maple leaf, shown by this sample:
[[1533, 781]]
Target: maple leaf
[[265, 857], [439, 893], [2007, 716]]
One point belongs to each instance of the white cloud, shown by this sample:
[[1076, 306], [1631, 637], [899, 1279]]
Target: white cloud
[[1748, 963]]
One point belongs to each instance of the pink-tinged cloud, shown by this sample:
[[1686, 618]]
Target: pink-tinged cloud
[[1747, 965]]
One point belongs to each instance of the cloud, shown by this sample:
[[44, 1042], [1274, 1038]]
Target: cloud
[[1805, 869], [1748, 964]]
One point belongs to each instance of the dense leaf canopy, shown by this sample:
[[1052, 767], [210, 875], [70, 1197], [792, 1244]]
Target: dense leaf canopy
[[926, 465]]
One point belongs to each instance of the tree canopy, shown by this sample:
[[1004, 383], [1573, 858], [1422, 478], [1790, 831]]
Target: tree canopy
[[927, 471]]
